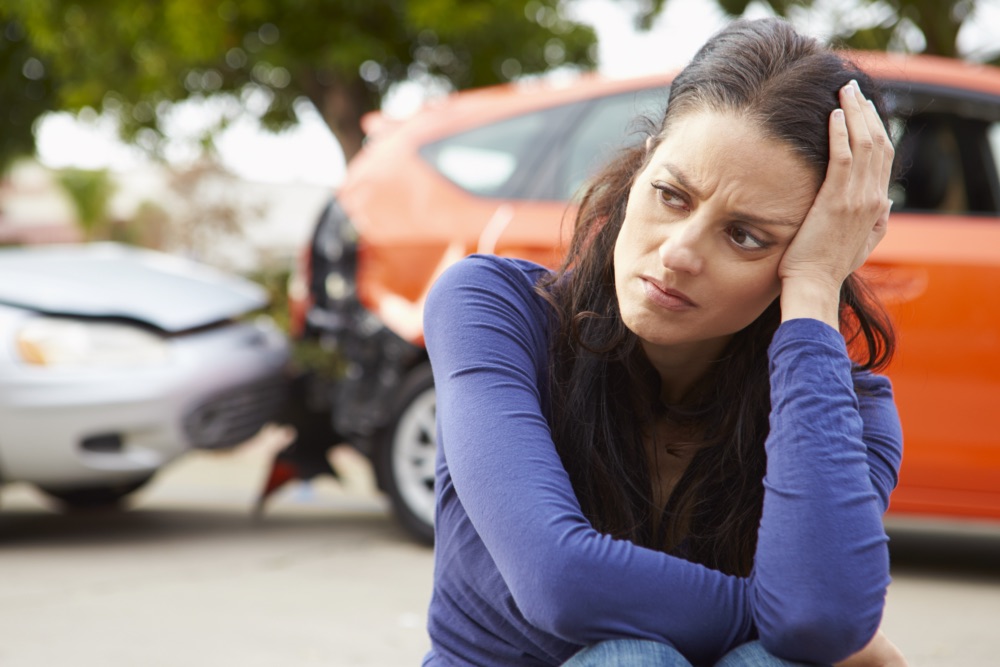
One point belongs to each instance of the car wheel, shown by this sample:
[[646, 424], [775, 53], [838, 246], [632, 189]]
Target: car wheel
[[406, 454], [95, 497]]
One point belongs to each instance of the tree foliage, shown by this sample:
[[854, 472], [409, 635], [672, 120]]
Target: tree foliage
[[891, 21], [134, 59], [25, 91], [90, 191]]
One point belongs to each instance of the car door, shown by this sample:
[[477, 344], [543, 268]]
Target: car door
[[938, 271]]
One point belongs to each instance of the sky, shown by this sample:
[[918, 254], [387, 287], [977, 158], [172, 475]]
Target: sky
[[308, 153]]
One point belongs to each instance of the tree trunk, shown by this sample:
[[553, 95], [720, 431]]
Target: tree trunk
[[935, 19], [342, 101]]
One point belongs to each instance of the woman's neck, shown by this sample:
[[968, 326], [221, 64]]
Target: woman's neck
[[681, 367]]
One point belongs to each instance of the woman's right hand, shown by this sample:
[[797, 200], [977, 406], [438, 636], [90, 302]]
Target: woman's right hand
[[849, 216], [880, 652]]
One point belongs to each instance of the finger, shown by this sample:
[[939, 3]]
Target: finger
[[838, 171], [888, 156], [851, 102], [883, 149], [880, 143], [874, 180]]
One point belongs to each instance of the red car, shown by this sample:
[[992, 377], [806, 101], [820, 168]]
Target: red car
[[494, 170]]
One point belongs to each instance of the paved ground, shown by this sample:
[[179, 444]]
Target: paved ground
[[186, 578]]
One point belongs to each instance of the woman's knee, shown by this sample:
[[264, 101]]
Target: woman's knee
[[753, 654], [628, 653]]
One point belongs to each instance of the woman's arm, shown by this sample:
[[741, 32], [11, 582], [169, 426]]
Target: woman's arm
[[488, 346], [822, 564], [882, 433]]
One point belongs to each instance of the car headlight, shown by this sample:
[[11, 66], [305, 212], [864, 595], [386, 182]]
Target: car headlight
[[335, 259], [53, 341]]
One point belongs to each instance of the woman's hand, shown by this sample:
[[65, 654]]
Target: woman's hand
[[849, 216], [880, 652]]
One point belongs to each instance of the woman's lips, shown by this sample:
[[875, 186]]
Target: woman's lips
[[665, 297]]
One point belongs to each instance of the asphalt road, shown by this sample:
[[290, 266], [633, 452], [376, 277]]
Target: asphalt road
[[326, 578]]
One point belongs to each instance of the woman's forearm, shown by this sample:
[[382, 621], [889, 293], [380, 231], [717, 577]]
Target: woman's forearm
[[822, 563]]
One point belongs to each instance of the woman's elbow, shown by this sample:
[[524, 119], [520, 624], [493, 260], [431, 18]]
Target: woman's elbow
[[555, 617], [556, 600], [555, 610], [819, 636]]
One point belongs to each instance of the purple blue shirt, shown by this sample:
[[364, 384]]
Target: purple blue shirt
[[522, 578]]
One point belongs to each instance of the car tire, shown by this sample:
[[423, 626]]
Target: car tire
[[95, 497], [406, 451]]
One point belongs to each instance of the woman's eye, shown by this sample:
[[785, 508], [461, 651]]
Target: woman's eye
[[669, 196], [745, 239]]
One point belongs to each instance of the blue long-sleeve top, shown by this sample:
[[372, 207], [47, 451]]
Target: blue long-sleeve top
[[522, 578]]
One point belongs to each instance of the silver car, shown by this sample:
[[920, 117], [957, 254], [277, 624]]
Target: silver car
[[115, 360]]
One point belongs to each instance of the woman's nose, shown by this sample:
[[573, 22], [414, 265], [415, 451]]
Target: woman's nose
[[680, 250]]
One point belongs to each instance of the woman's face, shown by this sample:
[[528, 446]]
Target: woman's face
[[706, 224]]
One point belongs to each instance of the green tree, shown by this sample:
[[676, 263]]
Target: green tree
[[25, 90], [90, 191], [885, 23], [134, 59]]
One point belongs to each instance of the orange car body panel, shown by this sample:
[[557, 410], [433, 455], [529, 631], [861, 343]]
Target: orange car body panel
[[939, 275], [943, 292]]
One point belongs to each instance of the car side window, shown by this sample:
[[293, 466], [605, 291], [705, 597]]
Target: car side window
[[993, 139], [610, 123], [948, 164], [484, 160]]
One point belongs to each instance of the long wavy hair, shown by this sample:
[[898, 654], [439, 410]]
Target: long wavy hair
[[605, 392]]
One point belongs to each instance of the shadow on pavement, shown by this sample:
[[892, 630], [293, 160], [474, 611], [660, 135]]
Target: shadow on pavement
[[944, 550], [19, 528]]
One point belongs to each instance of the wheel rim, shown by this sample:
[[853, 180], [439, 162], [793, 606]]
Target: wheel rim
[[414, 449]]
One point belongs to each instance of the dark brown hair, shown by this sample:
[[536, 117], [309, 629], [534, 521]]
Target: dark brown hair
[[605, 393]]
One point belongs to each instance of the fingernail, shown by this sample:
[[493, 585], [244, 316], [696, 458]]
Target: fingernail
[[838, 114], [857, 88]]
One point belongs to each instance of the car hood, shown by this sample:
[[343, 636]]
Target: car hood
[[112, 280]]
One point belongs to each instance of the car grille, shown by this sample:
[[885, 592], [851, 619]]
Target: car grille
[[230, 418]]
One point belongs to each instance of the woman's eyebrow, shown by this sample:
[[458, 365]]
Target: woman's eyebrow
[[761, 220], [688, 184]]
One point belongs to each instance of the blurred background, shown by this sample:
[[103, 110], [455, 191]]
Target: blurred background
[[166, 173], [151, 105]]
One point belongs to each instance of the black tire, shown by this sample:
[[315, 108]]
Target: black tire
[[95, 497], [405, 454]]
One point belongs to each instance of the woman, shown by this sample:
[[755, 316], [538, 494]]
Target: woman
[[663, 452]]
